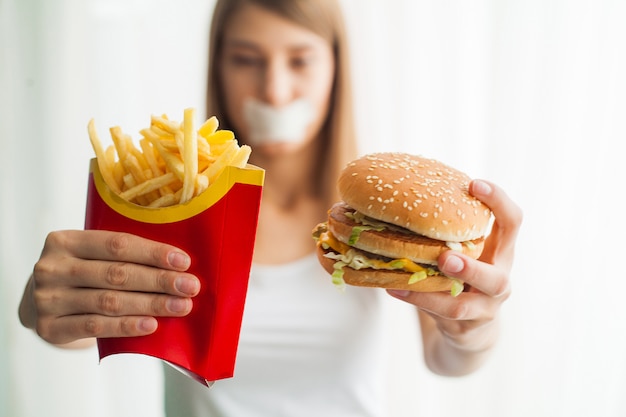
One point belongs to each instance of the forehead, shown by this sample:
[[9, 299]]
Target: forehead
[[256, 27]]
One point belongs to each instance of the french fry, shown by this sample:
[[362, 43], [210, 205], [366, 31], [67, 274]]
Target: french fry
[[174, 161], [190, 156], [148, 152], [202, 183], [216, 168], [171, 159], [164, 123], [165, 200], [105, 168], [119, 142], [140, 175], [118, 174], [209, 127], [110, 156], [204, 149], [220, 137], [241, 157], [148, 186]]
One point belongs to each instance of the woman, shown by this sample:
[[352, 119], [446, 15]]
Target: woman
[[278, 77]]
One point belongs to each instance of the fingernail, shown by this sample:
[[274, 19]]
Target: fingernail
[[399, 293], [147, 325], [481, 188], [188, 286], [179, 260], [452, 265], [177, 305]]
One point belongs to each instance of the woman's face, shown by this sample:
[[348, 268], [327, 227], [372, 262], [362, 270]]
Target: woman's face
[[277, 63]]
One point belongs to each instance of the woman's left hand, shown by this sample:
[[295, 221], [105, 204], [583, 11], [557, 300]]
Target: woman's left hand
[[466, 322]]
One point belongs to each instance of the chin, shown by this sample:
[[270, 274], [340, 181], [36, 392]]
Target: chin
[[276, 149]]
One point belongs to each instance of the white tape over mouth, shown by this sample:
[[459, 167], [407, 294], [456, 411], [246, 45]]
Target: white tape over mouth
[[268, 124]]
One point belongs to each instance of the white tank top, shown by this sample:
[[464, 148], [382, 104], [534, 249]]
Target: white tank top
[[305, 349]]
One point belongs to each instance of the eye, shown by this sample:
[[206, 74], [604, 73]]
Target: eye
[[245, 60], [300, 62]]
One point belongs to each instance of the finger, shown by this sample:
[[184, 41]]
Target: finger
[[466, 306], [482, 276], [69, 328], [508, 215], [508, 219], [132, 277], [115, 246], [118, 303], [50, 274]]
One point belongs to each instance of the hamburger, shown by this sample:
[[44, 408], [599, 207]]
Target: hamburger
[[398, 213]]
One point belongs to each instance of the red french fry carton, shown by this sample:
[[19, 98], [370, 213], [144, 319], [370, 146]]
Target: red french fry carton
[[217, 229]]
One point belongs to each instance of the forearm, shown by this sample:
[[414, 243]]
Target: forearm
[[450, 355]]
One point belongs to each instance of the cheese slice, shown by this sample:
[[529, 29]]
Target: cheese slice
[[326, 238]]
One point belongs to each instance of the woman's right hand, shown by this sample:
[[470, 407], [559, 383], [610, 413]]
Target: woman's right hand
[[105, 284]]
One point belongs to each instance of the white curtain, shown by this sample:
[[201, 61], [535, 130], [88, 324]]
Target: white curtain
[[528, 93]]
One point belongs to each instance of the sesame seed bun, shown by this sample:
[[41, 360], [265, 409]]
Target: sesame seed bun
[[416, 193]]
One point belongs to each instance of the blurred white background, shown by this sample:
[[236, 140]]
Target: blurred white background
[[528, 93]]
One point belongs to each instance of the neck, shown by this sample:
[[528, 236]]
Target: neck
[[289, 179], [289, 208]]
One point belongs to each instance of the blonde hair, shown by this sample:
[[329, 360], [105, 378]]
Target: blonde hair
[[324, 18]]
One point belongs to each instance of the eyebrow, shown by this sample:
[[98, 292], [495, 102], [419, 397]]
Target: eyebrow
[[245, 44]]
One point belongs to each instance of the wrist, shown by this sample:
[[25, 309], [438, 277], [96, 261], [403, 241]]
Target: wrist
[[473, 341]]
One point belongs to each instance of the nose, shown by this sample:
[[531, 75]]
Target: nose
[[278, 84]]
